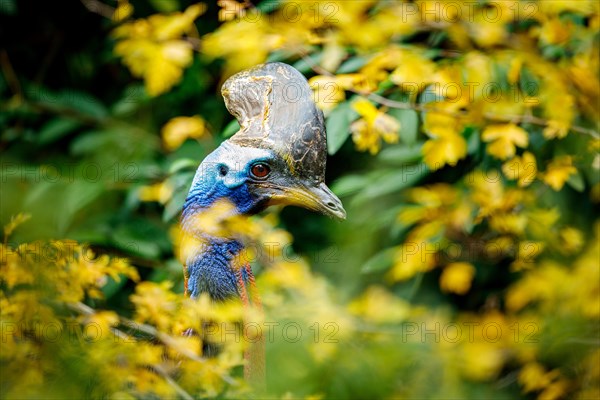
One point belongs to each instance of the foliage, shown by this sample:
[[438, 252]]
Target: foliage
[[464, 143]]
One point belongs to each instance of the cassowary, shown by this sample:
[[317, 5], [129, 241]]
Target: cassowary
[[277, 157]]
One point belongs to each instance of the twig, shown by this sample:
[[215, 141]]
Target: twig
[[181, 391], [99, 8], [9, 73], [166, 339], [529, 119]]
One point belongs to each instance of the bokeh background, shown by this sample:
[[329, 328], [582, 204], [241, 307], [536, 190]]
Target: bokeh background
[[463, 140]]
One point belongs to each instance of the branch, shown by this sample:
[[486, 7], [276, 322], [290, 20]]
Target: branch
[[164, 338], [99, 8], [529, 119], [181, 391], [9, 73]]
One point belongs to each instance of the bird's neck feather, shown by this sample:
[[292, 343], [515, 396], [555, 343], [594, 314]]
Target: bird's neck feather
[[210, 268]]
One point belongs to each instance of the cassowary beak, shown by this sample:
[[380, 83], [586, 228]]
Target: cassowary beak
[[318, 198]]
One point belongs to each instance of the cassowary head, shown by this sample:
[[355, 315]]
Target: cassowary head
[[278, 155]]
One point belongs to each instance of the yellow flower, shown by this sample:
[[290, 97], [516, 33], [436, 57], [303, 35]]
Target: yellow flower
[[571, 239], [558, 172], [241, 54], [482, 361], [526, 254], [230, 9], [379, 306], [556, 129], [524, 169], [514, 71], [457, 277], [152, 48], [178, 129], [503, 139], [123, 11], [413, 72], [160, 192], [446, 147], [101, 322], [15, 221], [487, 34], [555, 31], [533, 376], [155, 303], [412, 258], [327, 91], [374, 125]]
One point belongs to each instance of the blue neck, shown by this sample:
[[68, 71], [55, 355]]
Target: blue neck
[[210, 271], [210, 268]]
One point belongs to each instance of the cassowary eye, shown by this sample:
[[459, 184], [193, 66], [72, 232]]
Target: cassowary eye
[[260, 170]]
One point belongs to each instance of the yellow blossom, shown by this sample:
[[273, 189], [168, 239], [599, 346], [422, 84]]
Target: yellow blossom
[[374, 125], [155, 303], [241, 54], [516, 63], [413, 72], [555, 31], [178, 129], [558, 172], [571, 239], [15, 221], [231, 9], [161, 192], [413, 258], [328, 92], [556, 129], [456, 277], [527, 252], [379, 306], [486, 33], [504, 139], [446, 147], [481, 361], [123, 11], [101, 323], [534, 377], [152, 48], [523, 169]]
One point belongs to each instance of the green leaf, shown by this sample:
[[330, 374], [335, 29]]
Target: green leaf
[[576, 182], [473, 140], [380, 261], [409, 120], [338, 126], [82, 102], [132, 98], [401, 154], [174, 206], [182, 163], [352, 65], [140, 237], [231, 129], [77, 195], [349, 184], [111, 287], [8, 7], [409, 124], [391, 182], [528, 82], [305, 65], [166, 6], [266, 7], [56, 129]]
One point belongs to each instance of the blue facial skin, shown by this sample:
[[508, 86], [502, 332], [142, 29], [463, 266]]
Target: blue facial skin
[[224, 174]]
